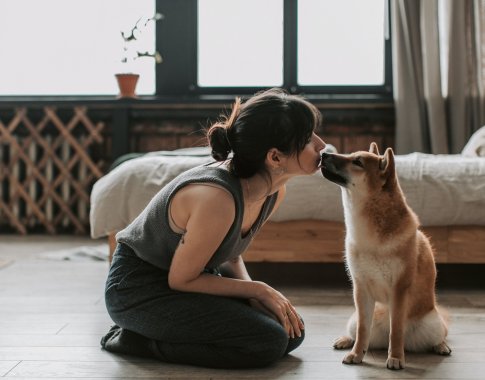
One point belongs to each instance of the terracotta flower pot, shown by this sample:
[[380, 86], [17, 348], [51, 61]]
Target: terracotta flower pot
[[127, 85]]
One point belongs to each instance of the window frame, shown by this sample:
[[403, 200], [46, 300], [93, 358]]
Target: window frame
[[177, 75]]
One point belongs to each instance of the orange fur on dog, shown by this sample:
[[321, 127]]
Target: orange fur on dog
[[390, 261]]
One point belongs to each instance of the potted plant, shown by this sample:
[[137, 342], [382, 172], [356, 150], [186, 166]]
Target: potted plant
[[134, 49]]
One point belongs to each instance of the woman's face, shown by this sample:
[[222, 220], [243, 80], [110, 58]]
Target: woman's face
[[308, 160]]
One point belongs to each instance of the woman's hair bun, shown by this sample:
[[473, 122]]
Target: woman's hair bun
[[217, 136]]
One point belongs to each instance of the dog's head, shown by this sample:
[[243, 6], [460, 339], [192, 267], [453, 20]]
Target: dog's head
[[360, 169]]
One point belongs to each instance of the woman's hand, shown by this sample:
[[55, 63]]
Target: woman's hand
[[276, 305], [255, 304]]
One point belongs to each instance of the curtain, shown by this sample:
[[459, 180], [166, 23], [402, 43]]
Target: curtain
[[438, 71]]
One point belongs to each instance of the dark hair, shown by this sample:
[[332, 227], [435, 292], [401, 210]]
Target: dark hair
[[269, 119]]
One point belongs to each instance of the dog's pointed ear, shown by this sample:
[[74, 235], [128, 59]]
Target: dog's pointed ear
[[387, 166], [387, 161], [373, 148]]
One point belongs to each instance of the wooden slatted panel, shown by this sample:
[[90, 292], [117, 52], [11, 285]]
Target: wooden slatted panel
[[47, 171]]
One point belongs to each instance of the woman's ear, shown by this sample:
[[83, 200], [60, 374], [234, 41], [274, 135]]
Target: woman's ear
[[275, 160]]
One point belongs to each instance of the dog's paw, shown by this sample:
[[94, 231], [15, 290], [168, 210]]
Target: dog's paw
[[442, 349], [343, 342], [395, 363], [353, 358]]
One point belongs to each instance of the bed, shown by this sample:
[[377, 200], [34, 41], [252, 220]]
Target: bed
[[446, 191]]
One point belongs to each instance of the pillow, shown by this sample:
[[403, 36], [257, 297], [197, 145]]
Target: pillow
[[475, 147]]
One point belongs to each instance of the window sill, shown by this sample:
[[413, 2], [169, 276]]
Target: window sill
[[189, 102]]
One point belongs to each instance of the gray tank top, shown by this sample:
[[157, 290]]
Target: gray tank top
[[153, 240]]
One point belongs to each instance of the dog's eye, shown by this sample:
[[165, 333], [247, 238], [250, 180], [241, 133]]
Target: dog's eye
[[357, 162]]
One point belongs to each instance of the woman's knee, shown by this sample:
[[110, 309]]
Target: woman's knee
[[275, 343], [295, 342], [271, 347]]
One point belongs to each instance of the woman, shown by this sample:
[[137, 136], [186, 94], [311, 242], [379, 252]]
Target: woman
[[178, 289]]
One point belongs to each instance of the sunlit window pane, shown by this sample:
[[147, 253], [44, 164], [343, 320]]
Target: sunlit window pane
[[240, 43], [341, 42], [60, 47]]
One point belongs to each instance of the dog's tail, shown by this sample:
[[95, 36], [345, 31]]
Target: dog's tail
[[445, 316], [420, 334]]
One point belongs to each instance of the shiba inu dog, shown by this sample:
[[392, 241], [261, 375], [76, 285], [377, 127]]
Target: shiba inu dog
[[390, 262]]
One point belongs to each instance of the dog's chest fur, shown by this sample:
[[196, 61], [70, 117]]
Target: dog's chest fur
[[371, 260], [373, 269]]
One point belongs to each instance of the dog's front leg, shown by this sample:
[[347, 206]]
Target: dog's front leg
[[397, 312], [364, 304]]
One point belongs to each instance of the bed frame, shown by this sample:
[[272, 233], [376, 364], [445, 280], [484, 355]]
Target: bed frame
[[316, 241]]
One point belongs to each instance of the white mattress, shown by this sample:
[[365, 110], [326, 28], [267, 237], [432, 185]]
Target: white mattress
[[442, 190]]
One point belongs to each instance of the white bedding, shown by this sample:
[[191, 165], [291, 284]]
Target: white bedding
[[442, 190]]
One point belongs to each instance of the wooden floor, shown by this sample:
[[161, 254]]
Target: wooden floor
[[52, 316]]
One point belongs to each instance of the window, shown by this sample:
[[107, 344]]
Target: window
[[59, 47], [241, 46], [209, 47], [330, 53], [232, 54]]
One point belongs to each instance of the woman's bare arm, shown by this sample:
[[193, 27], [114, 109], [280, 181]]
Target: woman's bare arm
[[235, 268]]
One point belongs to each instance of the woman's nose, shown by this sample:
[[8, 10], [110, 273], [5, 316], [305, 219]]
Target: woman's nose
[[321, 144]]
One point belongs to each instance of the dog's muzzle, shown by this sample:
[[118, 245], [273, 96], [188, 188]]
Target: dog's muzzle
[[330, 170]]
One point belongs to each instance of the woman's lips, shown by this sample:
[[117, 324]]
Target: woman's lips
[[319, 163]]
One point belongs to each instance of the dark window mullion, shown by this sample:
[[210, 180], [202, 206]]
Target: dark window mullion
[[290, 59], [176, 40], [388, 51]]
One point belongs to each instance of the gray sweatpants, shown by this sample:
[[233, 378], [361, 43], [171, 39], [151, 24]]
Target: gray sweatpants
[[153, 320]]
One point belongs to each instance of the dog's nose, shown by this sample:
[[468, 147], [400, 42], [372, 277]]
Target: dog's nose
[[324, 155]]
